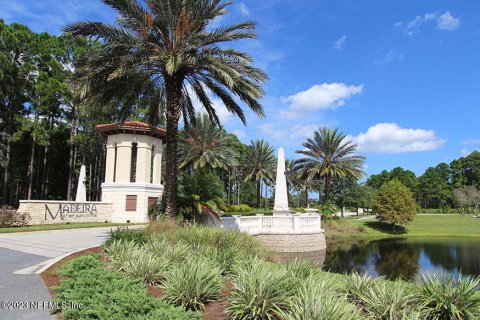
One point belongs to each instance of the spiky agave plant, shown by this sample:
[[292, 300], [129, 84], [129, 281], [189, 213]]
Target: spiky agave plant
[[193, 283], [260, 291], [162, 55], [444, 297], [318, 300]]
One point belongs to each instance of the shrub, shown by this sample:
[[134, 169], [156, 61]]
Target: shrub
[[327, 210], [239, 208], [301, 269], [146, 267], [110, 295], [117, 252], [394, 203], [381, 299], [87, 262], [355, 285], [446, 298], [260, 291], [298, 210], [200, 236], [316, 300], [136, 261], [161, 226], [193, 284], [225, 257], [10, 218], [123, 233]]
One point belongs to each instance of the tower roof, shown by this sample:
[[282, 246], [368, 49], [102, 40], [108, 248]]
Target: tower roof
[[132, 127]]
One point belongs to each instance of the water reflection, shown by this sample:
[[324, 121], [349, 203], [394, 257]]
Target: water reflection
[[405, 258]]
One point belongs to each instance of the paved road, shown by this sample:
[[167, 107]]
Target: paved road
[[22, 254]]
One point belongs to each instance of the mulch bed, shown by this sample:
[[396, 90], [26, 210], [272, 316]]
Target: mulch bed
[[213, 311]]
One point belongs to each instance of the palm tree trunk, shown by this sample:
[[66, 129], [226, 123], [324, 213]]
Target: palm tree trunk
[[306, 197], [173, 113], [71, 162], [258, 194], [327, 187]]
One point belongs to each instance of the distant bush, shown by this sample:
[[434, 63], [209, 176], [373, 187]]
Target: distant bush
[[437, 211], [260, 291], [443, 297], [123, 233], [10, 218], [327, 210], [104, 294], [298, 210], [192, 284], [239, 208]]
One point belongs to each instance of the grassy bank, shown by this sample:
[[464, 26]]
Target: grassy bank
[[47, 227], [463, 226]]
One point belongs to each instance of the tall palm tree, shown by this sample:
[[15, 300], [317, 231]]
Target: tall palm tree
[[329, 155], [205, 145], [259, 164], [163, 54]]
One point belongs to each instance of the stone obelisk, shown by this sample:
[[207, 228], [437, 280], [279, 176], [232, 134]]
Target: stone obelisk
[[281, 194], [81, 189]]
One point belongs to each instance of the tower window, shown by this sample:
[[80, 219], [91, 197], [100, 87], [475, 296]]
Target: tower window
[[115, 163], [152, 160], [133, 167]]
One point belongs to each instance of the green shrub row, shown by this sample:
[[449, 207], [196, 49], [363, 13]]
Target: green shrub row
[[103, 294], [191, 265]]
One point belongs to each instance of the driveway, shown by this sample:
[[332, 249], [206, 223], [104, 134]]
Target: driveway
[[24, 254]]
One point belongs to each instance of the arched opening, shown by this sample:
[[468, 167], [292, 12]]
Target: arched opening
[[133, 162]]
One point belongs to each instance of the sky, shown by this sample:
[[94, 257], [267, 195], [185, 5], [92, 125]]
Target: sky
[[401, 77]]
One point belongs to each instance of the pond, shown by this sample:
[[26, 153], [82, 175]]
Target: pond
[[405, 258]]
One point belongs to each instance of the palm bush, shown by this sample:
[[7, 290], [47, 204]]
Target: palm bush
[[225, 258], [444, 297], [316, 300], [260, 291], [355, 285], [193, 284]]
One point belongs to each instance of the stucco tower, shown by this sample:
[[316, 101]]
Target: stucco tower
[[133, 169]]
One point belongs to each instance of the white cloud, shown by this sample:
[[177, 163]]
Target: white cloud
[[295, 132], [244, 10], [391, 138], [389, 56], [445, 22], [318, 97], [465, 152], [397, 24], [340, 42]]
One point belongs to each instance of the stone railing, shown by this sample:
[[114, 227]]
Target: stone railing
[[278, 224]]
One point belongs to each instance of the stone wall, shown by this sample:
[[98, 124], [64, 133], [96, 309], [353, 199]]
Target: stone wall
[[306, 242], [52, 212]]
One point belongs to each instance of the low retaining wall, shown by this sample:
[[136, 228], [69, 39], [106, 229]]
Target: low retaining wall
[[293, 243], [52, 212]]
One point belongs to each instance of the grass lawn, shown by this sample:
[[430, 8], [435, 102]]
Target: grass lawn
[[465, 226], [46, 227]]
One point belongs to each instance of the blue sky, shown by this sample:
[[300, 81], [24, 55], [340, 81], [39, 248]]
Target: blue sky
[[401, 78]]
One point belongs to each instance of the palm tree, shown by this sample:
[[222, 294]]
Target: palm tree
[[163, 54], [329, 155], [259, 164], [205, 145]]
